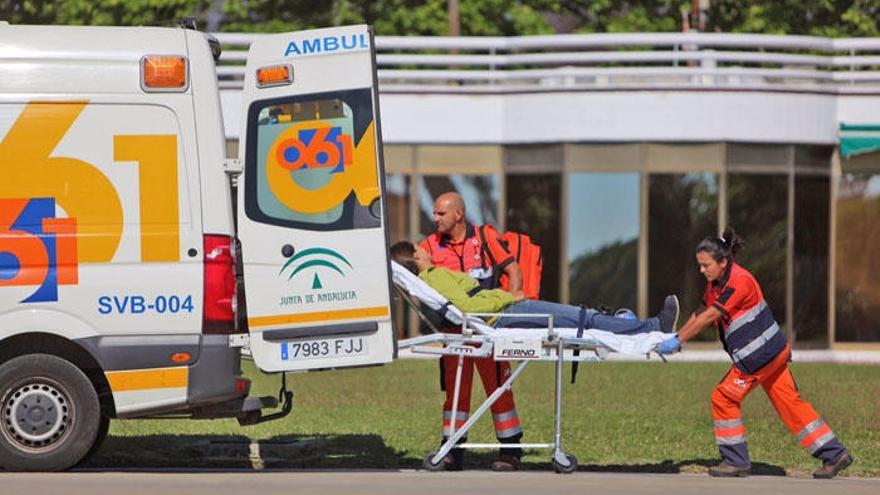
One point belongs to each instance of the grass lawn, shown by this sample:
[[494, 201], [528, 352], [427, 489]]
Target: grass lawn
[[619, 416]]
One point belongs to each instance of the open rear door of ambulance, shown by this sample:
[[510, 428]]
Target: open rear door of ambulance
[[311, 203]]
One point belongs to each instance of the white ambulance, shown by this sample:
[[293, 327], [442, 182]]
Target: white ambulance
[[118, 252]]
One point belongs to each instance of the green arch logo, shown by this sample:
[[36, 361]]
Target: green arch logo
[[317, 258]]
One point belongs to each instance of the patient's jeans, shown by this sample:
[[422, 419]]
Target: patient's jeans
[[565, 316]]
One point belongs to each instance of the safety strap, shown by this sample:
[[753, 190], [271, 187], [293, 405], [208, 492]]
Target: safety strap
[[582, 320], [483, 246], [444, 309], [473, 292], [485, 249]]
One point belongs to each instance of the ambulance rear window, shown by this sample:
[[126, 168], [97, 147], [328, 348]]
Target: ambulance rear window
[[312, 163]]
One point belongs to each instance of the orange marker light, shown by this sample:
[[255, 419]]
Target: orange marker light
[[163, 73], [181, 357], [274, 75]]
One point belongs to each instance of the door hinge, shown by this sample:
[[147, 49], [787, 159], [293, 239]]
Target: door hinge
[[232, 166]]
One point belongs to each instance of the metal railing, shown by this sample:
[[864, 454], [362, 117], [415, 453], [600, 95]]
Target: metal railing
[[608, 61]]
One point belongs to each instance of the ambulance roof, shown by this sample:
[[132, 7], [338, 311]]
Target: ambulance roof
[[80, 59]]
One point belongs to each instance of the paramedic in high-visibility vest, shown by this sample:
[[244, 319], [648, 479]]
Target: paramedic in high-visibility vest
[[733, 301], [457, 245]]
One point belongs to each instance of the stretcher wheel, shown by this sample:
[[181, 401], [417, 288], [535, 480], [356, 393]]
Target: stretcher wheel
[[430, 466], [569, 466]]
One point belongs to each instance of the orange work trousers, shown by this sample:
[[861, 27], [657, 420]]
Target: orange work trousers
[[504, 415], [798, 415]]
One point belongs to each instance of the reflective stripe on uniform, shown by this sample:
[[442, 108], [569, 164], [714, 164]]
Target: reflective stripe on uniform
[[819, 442], [507, 424], [730, 440], [729, 432], [746, 317], [815, 425], [460, 419], [756, 344], [728, 423], [816, 434]]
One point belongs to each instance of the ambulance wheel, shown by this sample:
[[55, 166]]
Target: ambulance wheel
[[569, 466], [430, 466], [103, 429], [49, 414]]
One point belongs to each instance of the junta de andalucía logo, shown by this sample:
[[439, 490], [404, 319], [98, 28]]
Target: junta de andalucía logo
[[316, 260]]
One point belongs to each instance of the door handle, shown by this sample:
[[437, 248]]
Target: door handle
[[287, 250]]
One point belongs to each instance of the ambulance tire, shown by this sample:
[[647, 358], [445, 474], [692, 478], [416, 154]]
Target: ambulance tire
[[49, 414], [103, 429], [568, 468]]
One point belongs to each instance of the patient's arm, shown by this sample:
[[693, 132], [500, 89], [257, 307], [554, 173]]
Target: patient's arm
[[698, 320]]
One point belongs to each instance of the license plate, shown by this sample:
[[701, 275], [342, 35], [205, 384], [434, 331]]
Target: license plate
[[323, 348]]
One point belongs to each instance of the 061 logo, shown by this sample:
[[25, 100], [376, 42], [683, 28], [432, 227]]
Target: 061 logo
[[36, 248]]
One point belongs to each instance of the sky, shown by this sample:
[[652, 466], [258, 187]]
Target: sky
[[605, 209]]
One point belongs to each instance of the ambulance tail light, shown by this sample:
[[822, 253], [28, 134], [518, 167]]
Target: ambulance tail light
[[274, 75], [218, 316], [162, 73]]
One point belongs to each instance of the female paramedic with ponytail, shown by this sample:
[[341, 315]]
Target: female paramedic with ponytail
[[735, 304]]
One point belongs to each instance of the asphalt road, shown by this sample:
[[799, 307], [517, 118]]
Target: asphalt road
[[413, 482]]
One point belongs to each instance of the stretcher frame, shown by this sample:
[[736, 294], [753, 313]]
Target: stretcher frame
[[553, 347]]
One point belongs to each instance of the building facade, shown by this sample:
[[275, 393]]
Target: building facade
[[618, 153]]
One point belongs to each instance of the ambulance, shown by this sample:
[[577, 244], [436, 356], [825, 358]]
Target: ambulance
[[121, 250]]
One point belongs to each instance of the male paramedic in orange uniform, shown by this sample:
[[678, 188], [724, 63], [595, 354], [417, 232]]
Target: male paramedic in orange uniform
[[735, 304], [457, 245]]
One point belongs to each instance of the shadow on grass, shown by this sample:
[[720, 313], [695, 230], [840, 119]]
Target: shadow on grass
[[239, 452], [318, 452]]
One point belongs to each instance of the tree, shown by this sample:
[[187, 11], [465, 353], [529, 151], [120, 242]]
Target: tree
[[99, 12], [809, 17], [390, 17], [478, 17]]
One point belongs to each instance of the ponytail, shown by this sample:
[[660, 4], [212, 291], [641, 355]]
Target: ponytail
[[719, 248]]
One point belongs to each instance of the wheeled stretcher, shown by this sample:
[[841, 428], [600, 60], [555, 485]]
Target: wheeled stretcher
[[478, 339]]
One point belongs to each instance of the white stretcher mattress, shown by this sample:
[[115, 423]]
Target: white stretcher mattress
[[628, 344]]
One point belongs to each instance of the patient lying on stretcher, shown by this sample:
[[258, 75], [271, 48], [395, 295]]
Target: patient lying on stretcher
[[465, 293]]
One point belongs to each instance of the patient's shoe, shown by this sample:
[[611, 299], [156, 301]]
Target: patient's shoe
[[830, 470], [668, 316], [725, 470]]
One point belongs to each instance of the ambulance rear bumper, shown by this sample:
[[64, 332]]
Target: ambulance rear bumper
[[215, 386]]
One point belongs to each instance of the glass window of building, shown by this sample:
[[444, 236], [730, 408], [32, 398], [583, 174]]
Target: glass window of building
[[533, 206], [480, 192], [810, 289], [857, 301], [758, 211], [397, 199], [682, 210], [603, 233]]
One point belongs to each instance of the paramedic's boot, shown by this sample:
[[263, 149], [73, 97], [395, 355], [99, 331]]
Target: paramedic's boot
[[454, 460], [725, 470], [668, 316], [830, 470], [509, 459]]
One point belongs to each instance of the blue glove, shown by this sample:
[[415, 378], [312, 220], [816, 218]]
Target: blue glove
[[669, 346]]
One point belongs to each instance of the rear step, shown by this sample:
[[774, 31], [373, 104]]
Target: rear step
[[252, 407]]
